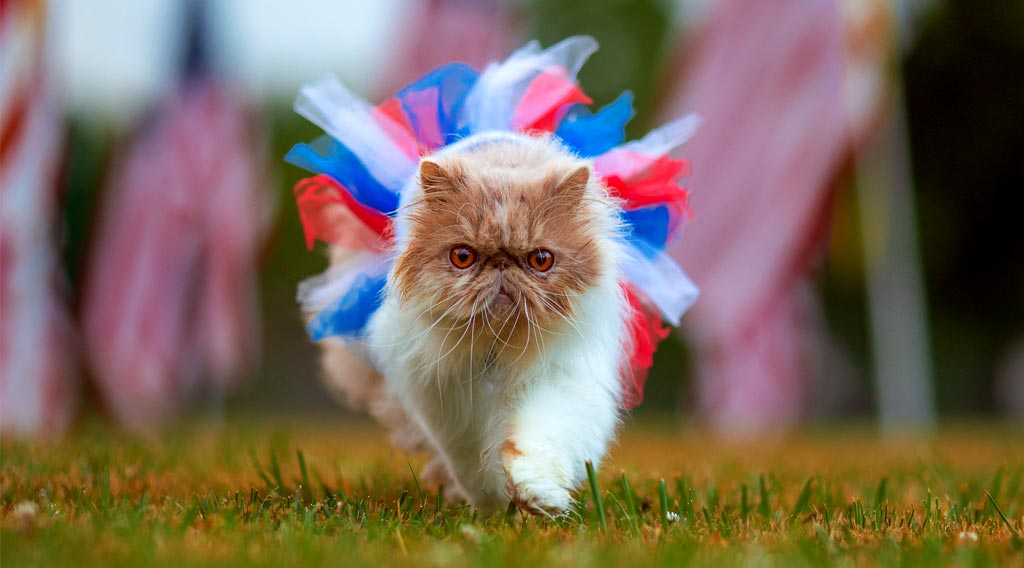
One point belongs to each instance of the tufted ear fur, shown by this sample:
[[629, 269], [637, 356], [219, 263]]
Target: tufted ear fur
[[436, 181], [574, 185]]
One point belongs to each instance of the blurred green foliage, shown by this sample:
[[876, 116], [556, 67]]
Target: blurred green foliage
[[633, 37], [965, 102]]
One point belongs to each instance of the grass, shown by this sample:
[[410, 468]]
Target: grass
[[310, 493]]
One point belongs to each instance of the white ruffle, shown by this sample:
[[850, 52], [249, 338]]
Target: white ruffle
[[493, 99], [666, 137], [349, 120], [661, 280], [318, 292]]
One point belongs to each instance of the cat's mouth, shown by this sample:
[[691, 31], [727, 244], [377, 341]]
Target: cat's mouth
[[502, 298]]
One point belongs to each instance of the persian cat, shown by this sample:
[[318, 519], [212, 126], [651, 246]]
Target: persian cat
[[502, 333]]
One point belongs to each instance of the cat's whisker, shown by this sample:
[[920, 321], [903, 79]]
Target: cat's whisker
[[579, 332], [472, 342], [567, 319], [465, 327], [429, 328], [505, 322], [433, 326], [529, 332], [432, 305], [487, 313], [532, 322], [499, 334], [505, 344], [437, 364]]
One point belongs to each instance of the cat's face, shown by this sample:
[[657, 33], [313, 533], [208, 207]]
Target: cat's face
[[501, 238]]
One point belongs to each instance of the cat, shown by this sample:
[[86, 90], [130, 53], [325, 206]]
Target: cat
[[501, 336]]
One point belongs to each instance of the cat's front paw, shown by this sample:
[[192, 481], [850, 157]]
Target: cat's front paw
[[535, 481]]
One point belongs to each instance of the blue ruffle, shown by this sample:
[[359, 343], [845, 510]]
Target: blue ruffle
[[452, 83], [348, 315], [325, 155], [652, 224], [593, 134]]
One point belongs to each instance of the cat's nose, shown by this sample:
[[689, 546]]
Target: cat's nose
[[501, 263]]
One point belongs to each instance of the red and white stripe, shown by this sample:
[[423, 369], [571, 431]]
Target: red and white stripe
[[170, 305], [767, 79], [38, 384]]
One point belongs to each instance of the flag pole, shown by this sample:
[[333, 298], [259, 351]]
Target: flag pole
[[897, 305]]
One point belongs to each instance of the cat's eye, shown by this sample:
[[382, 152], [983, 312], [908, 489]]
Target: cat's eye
[[462, 256], [541, 260]]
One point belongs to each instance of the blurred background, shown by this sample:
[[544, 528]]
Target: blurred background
[[857, 189]]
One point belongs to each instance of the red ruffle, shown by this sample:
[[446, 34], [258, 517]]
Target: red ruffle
[[546, 101], [642, 181], [645, 332], [331, 214]]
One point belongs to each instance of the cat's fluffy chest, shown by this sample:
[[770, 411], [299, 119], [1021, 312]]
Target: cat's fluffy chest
[[479, 405], [467, 379]]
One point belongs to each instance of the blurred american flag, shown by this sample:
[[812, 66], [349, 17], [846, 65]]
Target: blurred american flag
[[38, 384], [169, 310], [767, 78]]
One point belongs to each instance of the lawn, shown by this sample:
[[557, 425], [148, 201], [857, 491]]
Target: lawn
[[290, 493]]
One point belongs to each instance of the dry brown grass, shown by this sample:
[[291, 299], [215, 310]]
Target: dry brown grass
[[240, 494]]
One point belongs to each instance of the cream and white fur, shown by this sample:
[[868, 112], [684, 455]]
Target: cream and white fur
[[521, 430]]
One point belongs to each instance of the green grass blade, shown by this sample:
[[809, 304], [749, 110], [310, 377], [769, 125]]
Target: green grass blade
[[999, 511], [880, 493], [416, 482], [802, 500], [596, 494], [259, 469], [763, 508], [663, 504], [275, 470], [631, 511], [744, 503], [307, 487]]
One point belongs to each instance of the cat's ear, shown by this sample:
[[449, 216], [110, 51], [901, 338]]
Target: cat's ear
[[573, 186], [435, 180]]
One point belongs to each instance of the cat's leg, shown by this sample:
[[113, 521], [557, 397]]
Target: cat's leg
[[457, 462], [360, 387], [406, 434], [560, 423], [437, 472]]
